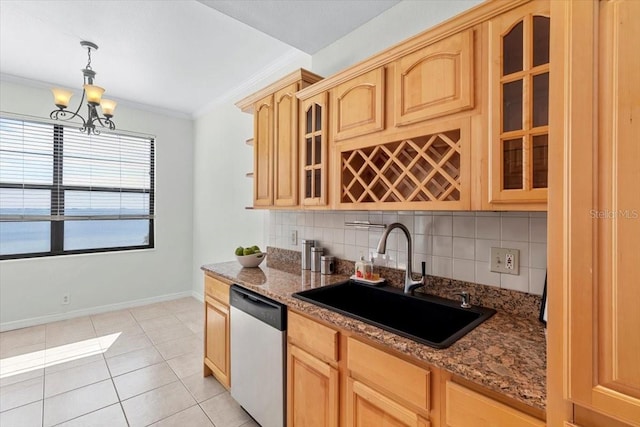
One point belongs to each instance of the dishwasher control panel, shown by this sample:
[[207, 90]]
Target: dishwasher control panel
[[262, 308]]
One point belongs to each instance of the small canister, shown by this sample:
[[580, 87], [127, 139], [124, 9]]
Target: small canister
[[306, 253], [316, 253], [327, 264]]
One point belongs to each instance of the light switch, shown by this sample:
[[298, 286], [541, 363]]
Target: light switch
[[505, 260]]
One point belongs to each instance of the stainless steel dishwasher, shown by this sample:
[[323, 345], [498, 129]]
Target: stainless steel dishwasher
[[258, 355]]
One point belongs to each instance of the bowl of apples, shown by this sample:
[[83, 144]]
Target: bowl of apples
[[251, 256]]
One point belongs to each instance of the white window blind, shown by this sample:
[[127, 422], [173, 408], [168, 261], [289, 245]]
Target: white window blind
[[76, 183]]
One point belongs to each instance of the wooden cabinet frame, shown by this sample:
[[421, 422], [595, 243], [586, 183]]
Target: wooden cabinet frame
[[217, 330], [499, 26], [593, 377], [322, 166], [276, 161]]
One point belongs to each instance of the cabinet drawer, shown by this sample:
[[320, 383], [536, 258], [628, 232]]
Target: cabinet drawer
[[407, 381], [466, 408], [216, 289], [312, 336]]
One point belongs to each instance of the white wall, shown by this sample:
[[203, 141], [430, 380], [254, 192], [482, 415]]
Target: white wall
[[31, 289], [221, 189], [406, 19]]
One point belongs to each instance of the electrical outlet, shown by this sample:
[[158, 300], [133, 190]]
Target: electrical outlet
[[65, 299], [293, 238], [505, 260]]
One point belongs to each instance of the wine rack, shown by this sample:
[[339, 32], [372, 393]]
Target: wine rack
[[422, 169]]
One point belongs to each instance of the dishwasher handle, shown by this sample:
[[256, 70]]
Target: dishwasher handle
[[260, 307]]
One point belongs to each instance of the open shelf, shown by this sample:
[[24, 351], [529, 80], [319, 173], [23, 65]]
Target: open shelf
[[249, 141]]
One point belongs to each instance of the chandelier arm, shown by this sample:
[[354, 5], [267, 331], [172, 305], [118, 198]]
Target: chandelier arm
[[107, 123], [61, 114]]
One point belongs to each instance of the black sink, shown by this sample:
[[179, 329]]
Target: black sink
[[436, 322]]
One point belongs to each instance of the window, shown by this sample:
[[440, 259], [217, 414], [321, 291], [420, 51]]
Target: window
[[66, 192]]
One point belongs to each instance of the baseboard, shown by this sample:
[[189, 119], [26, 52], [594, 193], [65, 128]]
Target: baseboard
[[25, 323], [198, 295]]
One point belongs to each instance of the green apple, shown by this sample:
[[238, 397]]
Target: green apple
[[239, 251], [248, 251]]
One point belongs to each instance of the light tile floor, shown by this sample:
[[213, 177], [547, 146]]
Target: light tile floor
[[136, 367]]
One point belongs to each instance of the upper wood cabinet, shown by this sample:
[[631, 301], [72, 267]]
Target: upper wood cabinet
[[357, 105], [314, 177], [262, 153], [434, 80], [519, 104], [285, 147], [275, 142]]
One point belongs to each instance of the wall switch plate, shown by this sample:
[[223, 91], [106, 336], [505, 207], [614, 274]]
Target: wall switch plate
[[505, 260], [65, 299], [293, 238]]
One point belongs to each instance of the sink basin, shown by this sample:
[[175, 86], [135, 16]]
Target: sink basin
[[436, 322]]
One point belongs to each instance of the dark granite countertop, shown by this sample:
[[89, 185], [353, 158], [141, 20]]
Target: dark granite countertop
[[506, 354]]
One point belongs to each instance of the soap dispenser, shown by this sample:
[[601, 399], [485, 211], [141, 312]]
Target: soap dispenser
[[360, 268]]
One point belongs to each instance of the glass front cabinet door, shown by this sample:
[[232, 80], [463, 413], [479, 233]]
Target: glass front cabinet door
[[519, 89], [314, 151]]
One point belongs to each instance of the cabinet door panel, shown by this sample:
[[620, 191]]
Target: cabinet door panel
[[358, 105], [409, 382], [312, 391], [435, 80], [262, 159], [314, 178], [519, 105], [285, 147], [368, 408], [217, 339], [604, 342]]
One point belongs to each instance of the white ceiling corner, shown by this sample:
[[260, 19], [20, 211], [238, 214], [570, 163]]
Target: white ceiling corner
[[308, 25], [177, 56]]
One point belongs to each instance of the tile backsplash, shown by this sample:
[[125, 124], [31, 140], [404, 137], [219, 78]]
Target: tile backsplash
[[454, 245]]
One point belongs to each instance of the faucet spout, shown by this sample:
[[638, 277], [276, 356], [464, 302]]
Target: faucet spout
[[409, 283]]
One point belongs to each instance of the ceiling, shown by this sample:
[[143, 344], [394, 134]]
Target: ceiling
[[173, 55], [308, 25]]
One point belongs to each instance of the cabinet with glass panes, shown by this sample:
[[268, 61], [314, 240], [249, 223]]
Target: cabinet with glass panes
[[519, 127], [314, 151]]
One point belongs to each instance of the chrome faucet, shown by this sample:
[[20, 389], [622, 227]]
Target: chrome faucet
[[409, 283]]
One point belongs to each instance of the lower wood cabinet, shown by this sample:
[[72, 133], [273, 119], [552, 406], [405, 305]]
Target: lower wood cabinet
[[216, 336], [368, 407], [336, 379], [466, 408], [312, 390]]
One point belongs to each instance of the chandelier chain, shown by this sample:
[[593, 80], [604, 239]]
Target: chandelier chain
[[88, 67]]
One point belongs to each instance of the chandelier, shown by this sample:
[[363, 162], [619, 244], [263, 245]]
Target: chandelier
[[94, 98]]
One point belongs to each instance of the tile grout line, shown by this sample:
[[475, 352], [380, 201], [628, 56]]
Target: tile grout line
[[111, 377]]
